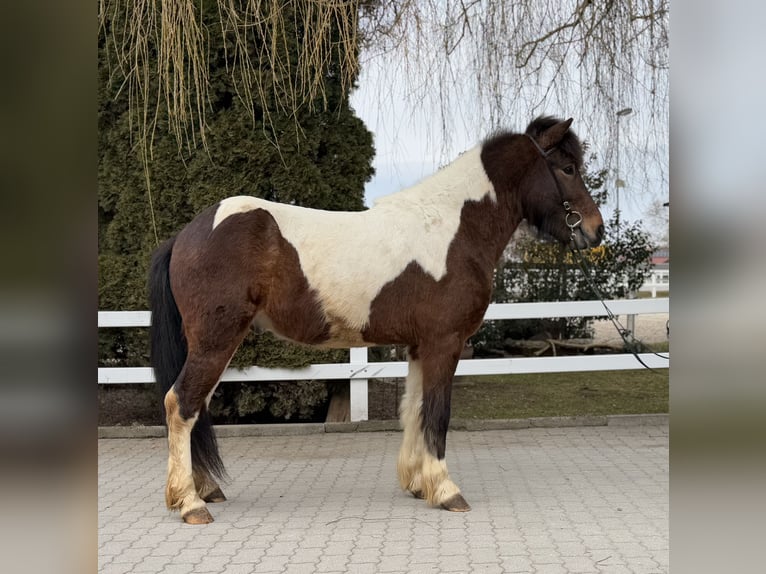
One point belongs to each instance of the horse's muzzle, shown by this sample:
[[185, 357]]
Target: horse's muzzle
[[585, 240]]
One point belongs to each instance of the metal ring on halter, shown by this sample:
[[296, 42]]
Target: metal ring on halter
[[576, 224]]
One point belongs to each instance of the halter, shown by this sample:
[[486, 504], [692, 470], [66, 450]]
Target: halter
[[632, 344], [573, 218]]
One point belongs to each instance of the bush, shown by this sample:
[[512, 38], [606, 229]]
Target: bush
[[269, 402], [540, 271]]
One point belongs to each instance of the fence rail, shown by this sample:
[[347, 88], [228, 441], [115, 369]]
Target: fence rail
[[359, 370], [658, 280]]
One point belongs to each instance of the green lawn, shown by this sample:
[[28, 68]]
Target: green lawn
[[648, 294], [560, 394]]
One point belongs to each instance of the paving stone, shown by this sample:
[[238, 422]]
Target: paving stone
[[212, 564], [364, 555], [486, 569], [152, 564], [394, 564], [515, 564], [454, 563], [546, 500], [178, 569]]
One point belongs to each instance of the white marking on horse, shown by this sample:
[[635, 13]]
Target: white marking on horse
[[409, 466], [437, 485], [347, 257], [180, 492]]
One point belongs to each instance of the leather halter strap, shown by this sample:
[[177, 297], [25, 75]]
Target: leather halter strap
[[540, 149], [572, 218]]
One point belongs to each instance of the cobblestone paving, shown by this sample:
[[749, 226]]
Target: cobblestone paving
[[545, 501]]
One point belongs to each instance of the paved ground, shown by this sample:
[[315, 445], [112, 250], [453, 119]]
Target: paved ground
[[545, 501]]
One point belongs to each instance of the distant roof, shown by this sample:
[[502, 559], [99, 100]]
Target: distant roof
[[661, 256]]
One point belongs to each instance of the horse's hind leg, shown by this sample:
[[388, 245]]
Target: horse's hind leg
[[180, 490], [207, 488], [188, 487], [190, 483]]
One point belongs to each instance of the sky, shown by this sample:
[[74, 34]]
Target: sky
[[410, 144]]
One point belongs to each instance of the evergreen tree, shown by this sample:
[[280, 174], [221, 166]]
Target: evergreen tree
[[318, 158]]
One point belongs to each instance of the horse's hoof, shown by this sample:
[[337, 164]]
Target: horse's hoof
[[456, 504], [198, 516], [417, 494], [216, 496]]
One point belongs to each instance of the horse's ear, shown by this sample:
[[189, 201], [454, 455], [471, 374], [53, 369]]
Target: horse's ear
[[554, 134]]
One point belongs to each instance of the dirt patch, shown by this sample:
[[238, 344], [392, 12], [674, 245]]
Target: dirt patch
[[649, 328]]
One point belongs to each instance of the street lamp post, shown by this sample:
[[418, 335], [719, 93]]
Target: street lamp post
[[618, 183]]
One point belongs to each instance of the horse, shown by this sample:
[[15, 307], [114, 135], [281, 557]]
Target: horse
[[415, 269]]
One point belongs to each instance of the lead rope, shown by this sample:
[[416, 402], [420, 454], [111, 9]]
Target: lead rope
[[573, 219], [632, 344]]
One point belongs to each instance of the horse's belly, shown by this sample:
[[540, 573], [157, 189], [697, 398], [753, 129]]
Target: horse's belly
[[331, 335]]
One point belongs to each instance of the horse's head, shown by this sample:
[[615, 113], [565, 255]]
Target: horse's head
[[556, 199]]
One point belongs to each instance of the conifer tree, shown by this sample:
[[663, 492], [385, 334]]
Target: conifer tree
[[319, 157]]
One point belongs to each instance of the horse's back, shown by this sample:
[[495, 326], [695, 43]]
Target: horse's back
[[347, 257], [327, 266]]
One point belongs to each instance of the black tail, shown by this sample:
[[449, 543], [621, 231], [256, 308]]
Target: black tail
[[168, 355]]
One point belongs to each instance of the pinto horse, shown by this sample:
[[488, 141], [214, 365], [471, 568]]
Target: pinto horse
[[416, 270]]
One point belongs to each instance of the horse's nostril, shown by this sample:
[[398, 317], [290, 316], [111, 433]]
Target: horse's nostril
[[600, 231]]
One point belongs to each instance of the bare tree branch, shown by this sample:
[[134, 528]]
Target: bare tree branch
[[509, 58]]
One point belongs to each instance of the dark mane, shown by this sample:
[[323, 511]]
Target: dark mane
[[570, 144]]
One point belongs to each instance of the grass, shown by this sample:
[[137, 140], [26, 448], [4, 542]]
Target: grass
[[648, 294], [560, 394], [638, 391]]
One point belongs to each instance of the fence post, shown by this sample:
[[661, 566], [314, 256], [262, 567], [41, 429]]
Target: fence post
[[631, 319], [358, 387]]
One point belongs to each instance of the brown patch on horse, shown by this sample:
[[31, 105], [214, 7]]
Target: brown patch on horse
[[435, 318], [254, 271], [540, 188], [415, 303]]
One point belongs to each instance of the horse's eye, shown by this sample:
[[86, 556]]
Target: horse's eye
[[569, 170]]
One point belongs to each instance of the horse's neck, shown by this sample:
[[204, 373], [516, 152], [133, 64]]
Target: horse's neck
[[460, 196], [449, 188]]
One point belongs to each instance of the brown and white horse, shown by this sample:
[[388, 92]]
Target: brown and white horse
[[416, 270]]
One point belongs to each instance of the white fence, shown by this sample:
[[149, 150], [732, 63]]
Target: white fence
[[359, 370], [658, 280]]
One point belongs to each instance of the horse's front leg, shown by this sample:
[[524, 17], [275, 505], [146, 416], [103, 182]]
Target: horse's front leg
[[438, 362]]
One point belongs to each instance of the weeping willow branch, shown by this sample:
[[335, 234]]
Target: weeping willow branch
[[159, 50], [278, 54], [519, 58], [509, 59], [528, 48]]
